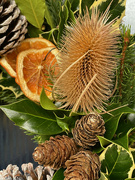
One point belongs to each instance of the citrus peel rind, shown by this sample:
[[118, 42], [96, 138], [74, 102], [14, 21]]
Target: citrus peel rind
[[32, 68], [9, 60]]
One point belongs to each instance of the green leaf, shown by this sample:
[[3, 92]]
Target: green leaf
[[67, 122], [33, 31], [102, 176], [64, 14], [117, 8], [45, 102], [116, 162], [33, 10], [121, 141], [52, 9], [59, 174], [32, 118], [112, 122], [9, 90], [83, 4], [74, 4]]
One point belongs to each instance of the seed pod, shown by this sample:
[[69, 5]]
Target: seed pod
[[55, 152], [87, 129]]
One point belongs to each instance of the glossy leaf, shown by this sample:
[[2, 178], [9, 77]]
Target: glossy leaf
[[122, 141], [67, 122], [117, 8], [112, 122], [83, 4], [59, 174], [45, 102], [33, 10], [32, 118], [116, 162]]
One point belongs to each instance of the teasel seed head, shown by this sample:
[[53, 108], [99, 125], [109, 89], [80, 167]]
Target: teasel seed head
[[87, 60]]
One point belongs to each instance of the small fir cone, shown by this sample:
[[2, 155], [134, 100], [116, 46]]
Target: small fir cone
[[87, 129], [83, 165], [55, 152], [12, 172], [13, 26]]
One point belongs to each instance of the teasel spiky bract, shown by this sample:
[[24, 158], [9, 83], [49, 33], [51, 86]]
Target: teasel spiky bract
[[87, 61]]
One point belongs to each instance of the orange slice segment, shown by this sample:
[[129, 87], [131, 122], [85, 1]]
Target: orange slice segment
[[9, 60], [33, 73]]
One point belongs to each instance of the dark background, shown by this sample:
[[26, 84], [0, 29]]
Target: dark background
[[15, 146]]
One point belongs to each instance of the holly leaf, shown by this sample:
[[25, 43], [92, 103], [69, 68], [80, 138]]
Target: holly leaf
[[112, 121], [32, 118], [117, 8], [116, 162], [85, 3], [33, 10], [59, 174], [67, 122]]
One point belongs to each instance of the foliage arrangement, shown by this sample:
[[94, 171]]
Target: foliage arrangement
[[100, 127]]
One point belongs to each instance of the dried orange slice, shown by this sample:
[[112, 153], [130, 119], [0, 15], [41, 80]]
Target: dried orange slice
[[9, 60], [32, 71]]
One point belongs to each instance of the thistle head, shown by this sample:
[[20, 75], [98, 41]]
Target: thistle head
[[87, 60]]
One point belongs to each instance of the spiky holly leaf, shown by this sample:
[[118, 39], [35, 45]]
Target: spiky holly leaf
[[116, 162], [32, 118], [33, 10]]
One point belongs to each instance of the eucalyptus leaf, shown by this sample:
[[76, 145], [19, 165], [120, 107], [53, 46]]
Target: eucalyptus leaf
[[116, 162], [59, 174], [33, 10], [32, 117]]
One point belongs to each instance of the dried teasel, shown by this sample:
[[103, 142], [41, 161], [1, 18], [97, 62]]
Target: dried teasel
[[87, 60]]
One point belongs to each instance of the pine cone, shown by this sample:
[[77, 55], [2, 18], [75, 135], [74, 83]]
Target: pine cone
[[83, 165], [87, 129], [12, 26], [55, 152], [39, 173]]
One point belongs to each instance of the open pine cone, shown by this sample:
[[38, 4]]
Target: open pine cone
[[82, 166], [55, 152], [87, 129], [12, 26], [12, 172]]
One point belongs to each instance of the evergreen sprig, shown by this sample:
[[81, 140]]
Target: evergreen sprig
[[125, 73]]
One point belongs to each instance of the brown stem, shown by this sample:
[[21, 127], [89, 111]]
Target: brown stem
[[126, 42]]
